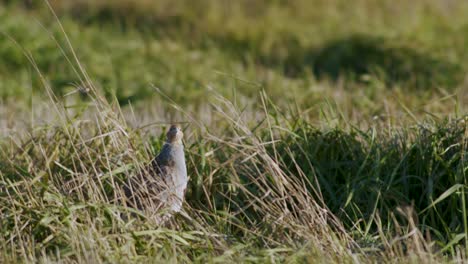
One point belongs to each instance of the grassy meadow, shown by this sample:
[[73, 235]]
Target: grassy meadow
[[315, 131]]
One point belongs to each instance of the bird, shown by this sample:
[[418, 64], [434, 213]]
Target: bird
[[160, 188]]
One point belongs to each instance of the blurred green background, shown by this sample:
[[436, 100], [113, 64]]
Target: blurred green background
[[285, 47]]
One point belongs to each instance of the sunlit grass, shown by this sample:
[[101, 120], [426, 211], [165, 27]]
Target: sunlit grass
[[285, 164]]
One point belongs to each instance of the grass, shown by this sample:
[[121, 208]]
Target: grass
[[336, 134]]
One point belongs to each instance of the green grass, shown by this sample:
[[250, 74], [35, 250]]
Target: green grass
[[314, 131]]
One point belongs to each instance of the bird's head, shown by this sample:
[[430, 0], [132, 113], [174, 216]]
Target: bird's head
[[175, 134]]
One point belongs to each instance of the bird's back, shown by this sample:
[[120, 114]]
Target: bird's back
[[169, 166]]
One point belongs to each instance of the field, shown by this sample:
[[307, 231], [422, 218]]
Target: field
[[323, 131]]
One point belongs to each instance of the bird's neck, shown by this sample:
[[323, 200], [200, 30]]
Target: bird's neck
[[177, 142]]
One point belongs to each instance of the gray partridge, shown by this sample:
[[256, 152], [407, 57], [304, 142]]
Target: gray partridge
[[162, 186]]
